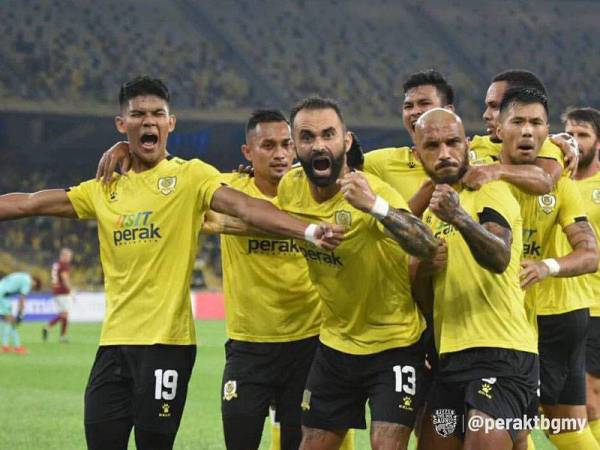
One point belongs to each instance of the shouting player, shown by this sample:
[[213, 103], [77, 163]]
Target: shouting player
[[148, 224]]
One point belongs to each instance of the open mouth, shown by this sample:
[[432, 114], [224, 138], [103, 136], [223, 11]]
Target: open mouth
[[321, 164], [149, 140], [525, 147]]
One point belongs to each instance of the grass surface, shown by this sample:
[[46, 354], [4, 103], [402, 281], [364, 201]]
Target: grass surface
[[41, 394]]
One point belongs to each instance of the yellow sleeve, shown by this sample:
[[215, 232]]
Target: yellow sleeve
[[82, 198], [208, 181], [571, 203], [552, 151], [373, 163], [498, 196]]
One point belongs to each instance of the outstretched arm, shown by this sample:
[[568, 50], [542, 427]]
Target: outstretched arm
[[583, 259], [265, 216], [490, 243], [527, 177], [413, 235], [51, 202]]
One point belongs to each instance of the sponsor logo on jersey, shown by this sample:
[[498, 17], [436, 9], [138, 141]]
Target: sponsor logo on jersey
[[166, 185], [271, 246], [530, 246], [230, 390], [136, 228], [113, 196], [444, 421]]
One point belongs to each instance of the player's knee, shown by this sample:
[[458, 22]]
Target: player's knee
[[389, 436]]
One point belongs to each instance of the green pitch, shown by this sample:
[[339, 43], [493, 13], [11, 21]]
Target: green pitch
[[41, 394]]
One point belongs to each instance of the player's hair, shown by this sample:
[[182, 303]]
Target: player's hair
[[355, 157], [143, 85], [587, 115], [522, 96], [518, 78], [264, 116], [315, 102], [434, 78]]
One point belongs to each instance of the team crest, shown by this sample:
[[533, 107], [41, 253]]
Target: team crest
[[165, 410], [596, 196], [230, 390], [472, 156], [305, 405], [547, 202], [343, 218], [166, 185], [444, 422]]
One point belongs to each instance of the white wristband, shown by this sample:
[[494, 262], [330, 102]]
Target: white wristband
[[309, 233], [380, 208], [552, 265]]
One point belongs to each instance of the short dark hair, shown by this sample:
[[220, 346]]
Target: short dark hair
[[518, 78], [523, 97], [434, 78], [264, 116], [315, 102], [587, 115], [355, 157], [143, 85]]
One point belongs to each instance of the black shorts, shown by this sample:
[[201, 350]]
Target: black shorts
[[498, 382], [592, 347], [258, 374], [147, 383], [339, 384], [562, 344]]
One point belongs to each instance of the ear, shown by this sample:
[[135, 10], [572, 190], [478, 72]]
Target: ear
[[120, 124], [172, 121], [499, 130], [450, 107], [348, 141], [246, 152]]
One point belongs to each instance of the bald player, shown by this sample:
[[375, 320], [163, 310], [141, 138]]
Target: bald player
[[488, 352]]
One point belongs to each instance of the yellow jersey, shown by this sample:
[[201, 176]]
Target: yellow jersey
[[148, 225], [367, 303], [544, 219], [590, 193], [268, 294], [483, 151], [474, 307], [398, 167]]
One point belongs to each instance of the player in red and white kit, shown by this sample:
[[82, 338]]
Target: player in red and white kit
[[61, 289]]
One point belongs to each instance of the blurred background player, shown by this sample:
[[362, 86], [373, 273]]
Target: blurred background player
[[62, 296], [584, 125], [21, 284]]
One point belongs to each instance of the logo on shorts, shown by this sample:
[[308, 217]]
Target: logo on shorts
[[547, 202], [486, 387], [305, 405], [230, 390], [407, 404], [166, 185], [165, 410], [444, 421]]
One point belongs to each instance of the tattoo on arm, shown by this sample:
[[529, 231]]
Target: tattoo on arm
[[584, 257], [490, 243], [413, 235]]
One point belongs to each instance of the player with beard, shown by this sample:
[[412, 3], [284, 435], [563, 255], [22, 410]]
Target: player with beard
[[488, 365], [369, 340], [584, 125], [145, 221], [558, 244]]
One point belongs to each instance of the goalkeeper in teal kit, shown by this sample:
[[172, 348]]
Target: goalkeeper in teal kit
[[21, 284]]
